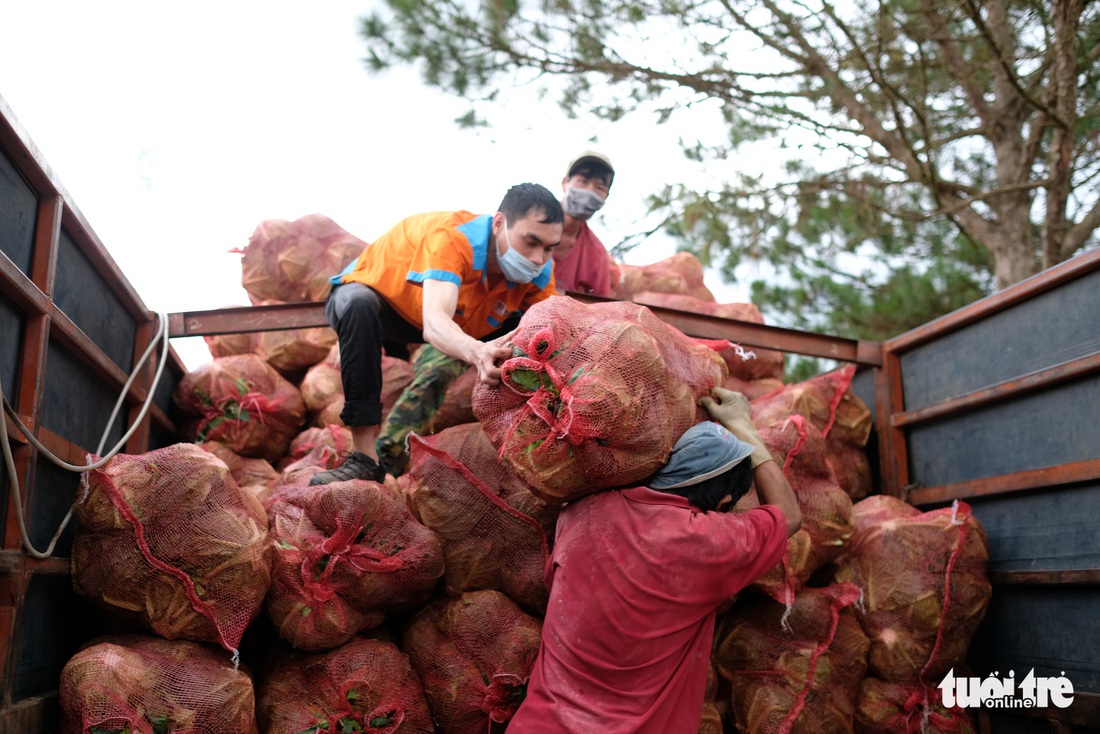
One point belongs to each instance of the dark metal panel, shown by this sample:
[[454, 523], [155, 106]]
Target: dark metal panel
[[1040, 429], [1049, 279], [90, 303], [50, 629], [76, 402], [1054, 327], [55, 490], [18, 212], [1050, 628], [1034, 531], [12, 323]]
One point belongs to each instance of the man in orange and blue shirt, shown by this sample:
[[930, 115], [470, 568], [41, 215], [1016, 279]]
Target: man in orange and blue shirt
[[452, 279]]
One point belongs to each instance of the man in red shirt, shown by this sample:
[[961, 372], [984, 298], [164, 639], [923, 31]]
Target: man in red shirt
[[581, 262], [636, 577]]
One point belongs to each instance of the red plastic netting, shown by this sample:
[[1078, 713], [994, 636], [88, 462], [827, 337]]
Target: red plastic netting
[[925, 585], [827, 523], [145, 685], [292, 261], [168, 539], [680, 273], [902, 708], [362, 686], [337, 438], [828, 402], [255, 476], [293, 351], [458, 404], [595, 396], [321, 383], [795, 670], [474, 655], [345, 555], [242, 402], [494, 530], [745, 363]]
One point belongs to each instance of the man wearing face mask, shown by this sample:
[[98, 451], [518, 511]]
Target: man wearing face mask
[[458, 282], [581, 263]]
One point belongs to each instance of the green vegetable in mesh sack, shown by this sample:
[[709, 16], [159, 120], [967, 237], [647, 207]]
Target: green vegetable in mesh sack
[[242, 402], [361, 686]]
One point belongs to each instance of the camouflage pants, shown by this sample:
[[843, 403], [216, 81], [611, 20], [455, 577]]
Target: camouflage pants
[[433, 373]]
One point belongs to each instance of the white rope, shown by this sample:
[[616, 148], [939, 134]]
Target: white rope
[[161, 337]]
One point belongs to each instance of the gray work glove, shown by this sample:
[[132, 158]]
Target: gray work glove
[[732, 410]]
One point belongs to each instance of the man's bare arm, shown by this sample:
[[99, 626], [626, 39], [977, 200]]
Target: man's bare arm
[[441, 331]]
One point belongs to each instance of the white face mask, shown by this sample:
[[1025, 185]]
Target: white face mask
[[581, 203], [515, 266]]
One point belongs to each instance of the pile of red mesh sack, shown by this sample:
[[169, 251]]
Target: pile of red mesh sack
[[827, 523], [827, 401], [594, 396], [925, 590], [167, 539], [140, 683]]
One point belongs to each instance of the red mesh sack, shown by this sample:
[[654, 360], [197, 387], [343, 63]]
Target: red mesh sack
[[492, 527], [293, 351], [681, 273], [747, 364], [458, 404], [362, 686], [227, 345], [795, 670], [474, 655], [321, 382], [711, 723], [396, 376], [169, 540], [925, 585], [337, 438], [595, 396], [753, 389], [827, 523], [244, 403], [292, 261], [255, 476], [828, 402], [146, 685], [345, 554], [900, 708]]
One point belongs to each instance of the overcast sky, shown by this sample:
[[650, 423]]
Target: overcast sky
[[177, 128]]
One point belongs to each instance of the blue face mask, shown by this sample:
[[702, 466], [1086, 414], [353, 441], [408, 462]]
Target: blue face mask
[[515, 266]]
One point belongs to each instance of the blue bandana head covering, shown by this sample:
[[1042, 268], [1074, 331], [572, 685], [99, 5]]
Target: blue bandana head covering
[[704, 451]]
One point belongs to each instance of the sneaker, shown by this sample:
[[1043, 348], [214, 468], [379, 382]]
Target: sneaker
[[357, 465]]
